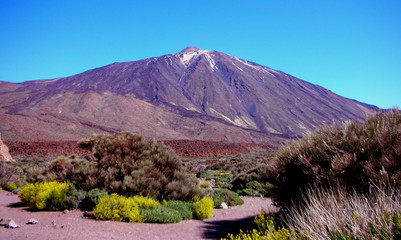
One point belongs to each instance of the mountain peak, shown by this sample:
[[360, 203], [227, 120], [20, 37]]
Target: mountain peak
[[190, 49]]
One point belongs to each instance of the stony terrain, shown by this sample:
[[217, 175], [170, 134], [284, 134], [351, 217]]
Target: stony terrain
[[71, 225]]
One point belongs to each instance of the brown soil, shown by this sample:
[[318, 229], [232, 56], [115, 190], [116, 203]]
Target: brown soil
[[71, 225], [183, 148]]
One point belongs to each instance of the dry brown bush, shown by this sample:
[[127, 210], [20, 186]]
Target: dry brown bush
[[350, 154]]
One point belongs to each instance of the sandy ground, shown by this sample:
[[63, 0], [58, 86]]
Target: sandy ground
[[71, 225]]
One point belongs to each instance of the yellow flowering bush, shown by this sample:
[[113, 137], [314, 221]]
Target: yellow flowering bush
[[203, 208], [41, 195], [267, 231], [118, 208], [145, 202]]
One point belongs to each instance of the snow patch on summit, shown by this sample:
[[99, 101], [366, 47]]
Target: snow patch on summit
[[186, 57]]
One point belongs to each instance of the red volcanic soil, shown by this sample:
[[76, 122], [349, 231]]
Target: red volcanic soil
[[196, 148], [183, 148]]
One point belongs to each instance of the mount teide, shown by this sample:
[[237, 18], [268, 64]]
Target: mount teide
[[193, 94]]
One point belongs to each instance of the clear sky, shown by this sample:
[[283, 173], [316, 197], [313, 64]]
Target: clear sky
[[350, 47]]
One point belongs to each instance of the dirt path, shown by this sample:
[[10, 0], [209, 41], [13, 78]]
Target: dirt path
[[56, 225]]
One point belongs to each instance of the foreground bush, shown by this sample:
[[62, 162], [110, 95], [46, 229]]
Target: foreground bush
[[203, 208], [118, 208], [129, 165], [50, 196], [227, 196], [335, 213], [350, 154]]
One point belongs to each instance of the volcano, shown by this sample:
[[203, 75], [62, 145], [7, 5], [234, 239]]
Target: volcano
[[193, 94]]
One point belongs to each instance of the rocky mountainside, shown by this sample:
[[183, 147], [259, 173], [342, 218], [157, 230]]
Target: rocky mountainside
[[193, 94]]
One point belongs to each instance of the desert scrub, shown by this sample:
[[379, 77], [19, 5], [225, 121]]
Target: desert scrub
[[118, 208], [203, 208], [129, 165], [161, 214], [50, 196], [351, 154], [81, 172], [227, 196], [267, 230]]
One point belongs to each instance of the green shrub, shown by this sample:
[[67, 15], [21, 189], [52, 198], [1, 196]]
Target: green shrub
[[50, 196], [227, 196], [129, 165], [118, 208], [161, 214], [92, 199], [203, 208], [350, 154], [184, 208]]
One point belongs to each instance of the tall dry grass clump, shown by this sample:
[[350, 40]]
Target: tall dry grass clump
[[350, 154], [335, 213]]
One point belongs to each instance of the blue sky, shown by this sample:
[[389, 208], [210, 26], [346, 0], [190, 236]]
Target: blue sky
[[350, 47]]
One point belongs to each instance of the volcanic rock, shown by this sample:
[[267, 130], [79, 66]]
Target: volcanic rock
[[4, 152]]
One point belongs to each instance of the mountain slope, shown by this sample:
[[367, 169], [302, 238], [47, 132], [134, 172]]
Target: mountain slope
[[193, 94]]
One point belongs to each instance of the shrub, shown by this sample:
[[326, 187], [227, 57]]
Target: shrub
[[227, 196], [92, 199], [10, 186], [129, 165], [145, 202], [10, 172], [161, 214], [117, 208], [255, 181], [81, 172], [50, 196], [350, 154], [203, 208], [184, 208], [267, 230]]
